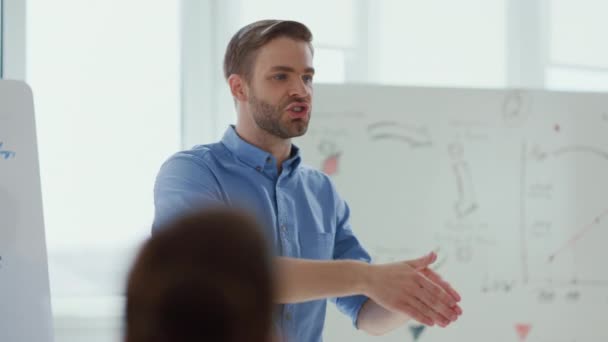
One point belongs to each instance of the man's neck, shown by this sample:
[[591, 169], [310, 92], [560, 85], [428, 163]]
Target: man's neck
[[279, 148]]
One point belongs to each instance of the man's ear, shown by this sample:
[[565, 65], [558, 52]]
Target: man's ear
[[238, 87]]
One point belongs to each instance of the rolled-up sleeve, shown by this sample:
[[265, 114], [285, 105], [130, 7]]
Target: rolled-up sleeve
[[184, 184], [347, 246]]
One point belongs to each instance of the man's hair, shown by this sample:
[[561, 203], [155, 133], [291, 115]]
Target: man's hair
[[244, 45], [206, 277]]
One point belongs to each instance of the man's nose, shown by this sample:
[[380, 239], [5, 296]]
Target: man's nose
[[299, 88]]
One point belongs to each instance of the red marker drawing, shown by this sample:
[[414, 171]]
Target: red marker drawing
[[523, 330], [330, 164]]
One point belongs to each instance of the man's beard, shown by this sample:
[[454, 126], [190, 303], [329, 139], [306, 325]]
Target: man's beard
[[268, 118]]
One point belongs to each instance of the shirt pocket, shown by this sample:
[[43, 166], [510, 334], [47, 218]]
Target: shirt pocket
[[319, 246]]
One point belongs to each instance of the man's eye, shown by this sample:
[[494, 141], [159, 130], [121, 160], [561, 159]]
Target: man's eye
[[307, 78], [279, 77]]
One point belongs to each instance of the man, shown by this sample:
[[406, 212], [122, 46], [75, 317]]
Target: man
[[187, 286], [268, 67]]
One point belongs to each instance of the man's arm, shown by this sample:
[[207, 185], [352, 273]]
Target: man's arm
[[301, 280], [376, 320], [398, 290], [184, 183]]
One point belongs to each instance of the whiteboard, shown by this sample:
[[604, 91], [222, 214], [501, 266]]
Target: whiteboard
[[511, 188], [25, 310]]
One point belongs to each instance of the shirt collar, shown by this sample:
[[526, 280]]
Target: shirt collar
[[253, 155]]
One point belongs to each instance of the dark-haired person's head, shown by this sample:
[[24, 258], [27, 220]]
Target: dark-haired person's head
[[205, 277], [268, 67]]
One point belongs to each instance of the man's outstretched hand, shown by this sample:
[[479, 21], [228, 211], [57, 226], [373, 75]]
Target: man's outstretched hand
[[412, 288]]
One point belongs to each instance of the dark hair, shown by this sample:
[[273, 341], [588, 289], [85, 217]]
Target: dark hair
[[242, 48], [206, 277]]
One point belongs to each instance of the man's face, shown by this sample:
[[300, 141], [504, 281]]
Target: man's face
[[280, 97]]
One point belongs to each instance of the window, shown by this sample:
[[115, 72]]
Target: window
[[438, 43], [578, 33], [578, 54], [105, 77]]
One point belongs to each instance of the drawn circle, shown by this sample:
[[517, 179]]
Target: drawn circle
[[515, 108]]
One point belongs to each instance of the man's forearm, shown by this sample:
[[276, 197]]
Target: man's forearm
[[300, 280], [376, 320], [406, 287]]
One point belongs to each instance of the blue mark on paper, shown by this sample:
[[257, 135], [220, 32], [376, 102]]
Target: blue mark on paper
[[6, 154]]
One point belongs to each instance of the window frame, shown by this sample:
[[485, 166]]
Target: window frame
[[1, 37], [13, 33], [526, 43]]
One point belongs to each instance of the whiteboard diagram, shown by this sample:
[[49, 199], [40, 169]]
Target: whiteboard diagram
[[564, 174], [509, 186]]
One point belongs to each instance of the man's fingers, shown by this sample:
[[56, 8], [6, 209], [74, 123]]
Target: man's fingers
[[428, 312], [423, 262], [436, 298], [433, 276], [436, 306], [434, 290]]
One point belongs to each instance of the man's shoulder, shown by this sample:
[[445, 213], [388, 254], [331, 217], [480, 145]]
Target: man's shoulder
[[206, 156], [201, 153], [315, 176], [310, 171]]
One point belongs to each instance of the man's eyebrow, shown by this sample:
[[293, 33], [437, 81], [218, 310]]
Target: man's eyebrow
[[309, 70]]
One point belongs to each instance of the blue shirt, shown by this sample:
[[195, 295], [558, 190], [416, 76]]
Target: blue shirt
[[299, 208]]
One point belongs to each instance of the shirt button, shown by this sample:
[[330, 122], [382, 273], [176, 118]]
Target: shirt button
[[283, 228], [288, 316], [258, 168]]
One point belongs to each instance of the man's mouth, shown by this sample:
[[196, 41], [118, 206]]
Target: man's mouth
[[298, 109]]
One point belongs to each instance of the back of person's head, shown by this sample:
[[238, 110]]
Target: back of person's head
[[205, 277]]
